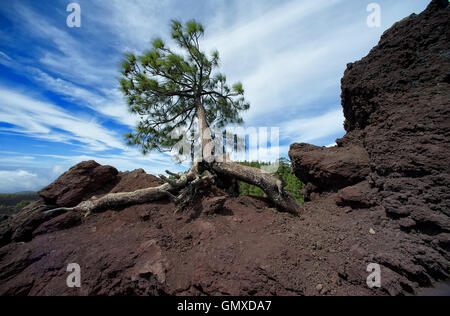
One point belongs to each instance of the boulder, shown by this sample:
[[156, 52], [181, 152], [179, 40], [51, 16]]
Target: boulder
[[26, 222], [397, 117], [81, 182], [359, 196], [397, 97], [329, 169], [135, 180]]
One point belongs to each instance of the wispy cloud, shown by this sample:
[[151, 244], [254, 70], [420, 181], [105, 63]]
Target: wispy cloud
[[111, 105], [290, 55], [315, 128], [4, 57], [19, 180], [286, 66], [43, 120], [69, 56]]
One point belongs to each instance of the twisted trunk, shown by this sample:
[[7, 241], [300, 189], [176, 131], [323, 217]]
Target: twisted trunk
[[203, 129]]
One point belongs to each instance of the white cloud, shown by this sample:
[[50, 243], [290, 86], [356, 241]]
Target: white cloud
[[315, 128], [5, 59], [109, 103], [112, 105], [290, 55], [279, 62], [20, 180], [14, 158], [4, 56], [272, 24], [46, 121], [135, 23], [285, 63], [74, 59], [153, 163], [57, 170]]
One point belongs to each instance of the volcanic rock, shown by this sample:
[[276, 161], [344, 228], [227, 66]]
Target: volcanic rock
[[329, 169], [135, 180], [79, 183], [357, 196], [216, 205], [64, 221], [396, 106], [5, 230]]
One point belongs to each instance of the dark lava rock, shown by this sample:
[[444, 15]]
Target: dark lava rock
[[33, 220], [26, 222], [216, 205], [357, 196], [329, 168], [396, 106], [82, 181], [64, 221], [253, 202], [5, 230], [135, 180]]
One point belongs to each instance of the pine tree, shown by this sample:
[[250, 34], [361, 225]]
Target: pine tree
[[171, 90]]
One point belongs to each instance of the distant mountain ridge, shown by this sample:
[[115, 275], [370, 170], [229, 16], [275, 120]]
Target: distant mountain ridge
[[19, 193], [12, 202]]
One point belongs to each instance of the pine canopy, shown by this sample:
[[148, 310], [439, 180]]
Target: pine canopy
[[167, 88]]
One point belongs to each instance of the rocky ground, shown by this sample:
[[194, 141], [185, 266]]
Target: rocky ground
[[223, 246], [381, 196], [394, 160]]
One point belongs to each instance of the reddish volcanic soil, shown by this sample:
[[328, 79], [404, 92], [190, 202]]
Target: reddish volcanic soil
[[244, 248]]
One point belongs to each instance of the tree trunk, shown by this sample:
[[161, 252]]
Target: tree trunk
[[203, 130], [273, 187]]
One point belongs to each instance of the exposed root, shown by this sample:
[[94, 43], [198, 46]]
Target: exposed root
[[273, 187], [188, 194], [182, 189]]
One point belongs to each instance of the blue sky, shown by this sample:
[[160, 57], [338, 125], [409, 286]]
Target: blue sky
[[59, 97]]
